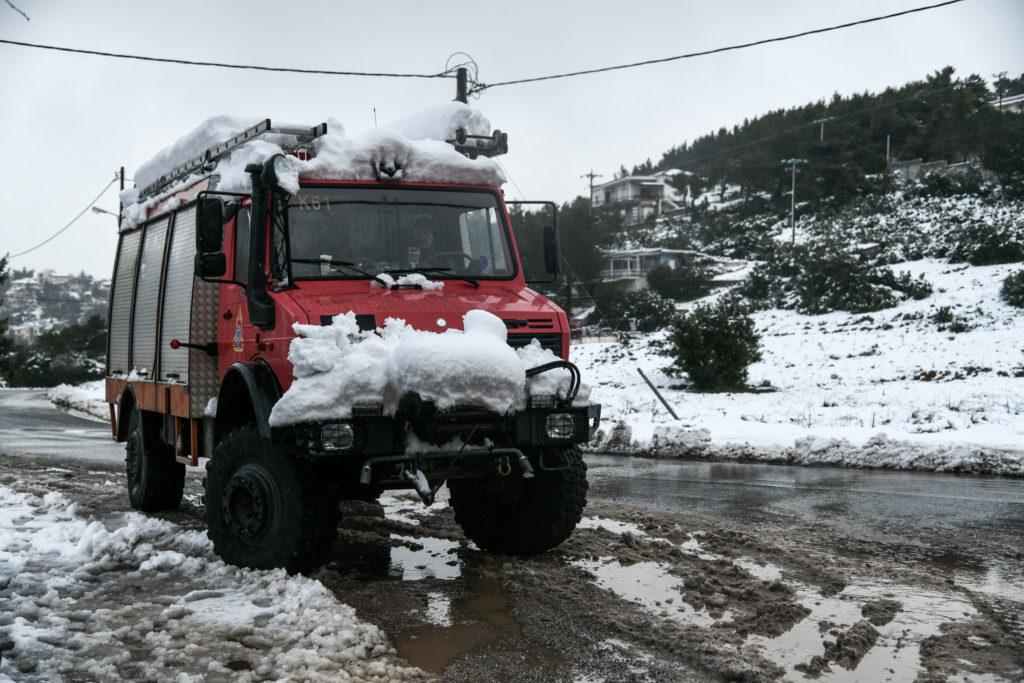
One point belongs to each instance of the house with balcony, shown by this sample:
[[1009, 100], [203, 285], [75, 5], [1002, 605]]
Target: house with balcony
[[626, 269], [640, 199], [1010, 103]]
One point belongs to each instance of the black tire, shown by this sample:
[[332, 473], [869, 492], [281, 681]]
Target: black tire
[[155, 479], [522, 516], [266, 509]]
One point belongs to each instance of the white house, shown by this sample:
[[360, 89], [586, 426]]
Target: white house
[[639, 197], [628, 268], [1014, 103]]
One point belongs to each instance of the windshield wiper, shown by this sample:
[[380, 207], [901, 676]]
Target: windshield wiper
[[426, 270], [343, 264]]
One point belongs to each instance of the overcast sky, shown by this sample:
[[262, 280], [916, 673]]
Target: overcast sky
[[69, 121]]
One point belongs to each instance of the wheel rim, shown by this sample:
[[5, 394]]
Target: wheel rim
[[248, 504]]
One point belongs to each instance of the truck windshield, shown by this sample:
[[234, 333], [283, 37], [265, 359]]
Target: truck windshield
[[358, 232]]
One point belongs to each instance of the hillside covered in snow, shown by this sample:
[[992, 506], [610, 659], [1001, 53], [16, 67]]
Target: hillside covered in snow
[[887, 380]]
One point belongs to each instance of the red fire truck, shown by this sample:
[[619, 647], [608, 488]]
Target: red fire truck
[[206, 289]]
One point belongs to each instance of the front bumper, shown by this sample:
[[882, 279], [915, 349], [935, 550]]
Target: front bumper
[[426, 430]]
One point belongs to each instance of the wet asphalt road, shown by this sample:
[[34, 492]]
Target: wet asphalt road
[[929, 502], [31, 425]]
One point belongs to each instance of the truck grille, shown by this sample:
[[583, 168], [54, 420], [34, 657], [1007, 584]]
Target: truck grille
[[552, 341]]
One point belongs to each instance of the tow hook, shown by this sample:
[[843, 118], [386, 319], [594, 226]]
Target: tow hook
[[418, 481], [504, 466]]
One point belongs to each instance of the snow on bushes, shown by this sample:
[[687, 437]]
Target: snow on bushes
[[715, 344], [1012, 291]]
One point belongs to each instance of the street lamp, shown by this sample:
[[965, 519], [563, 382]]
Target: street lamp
[[96, 209]]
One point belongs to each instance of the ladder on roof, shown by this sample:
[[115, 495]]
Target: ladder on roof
[[205, 162]]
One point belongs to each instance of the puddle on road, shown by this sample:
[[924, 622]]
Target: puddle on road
[[424, 558], [453, 627], [895, 655], [467, 626], [648, 584]]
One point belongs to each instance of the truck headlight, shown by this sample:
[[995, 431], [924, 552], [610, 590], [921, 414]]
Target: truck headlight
[[337, 437], [560, 426]]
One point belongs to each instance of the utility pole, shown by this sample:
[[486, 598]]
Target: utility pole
[[590, 213], [821, 135], [461, 85], [792, 204], [999, 87], [591, 176], [792, 201]]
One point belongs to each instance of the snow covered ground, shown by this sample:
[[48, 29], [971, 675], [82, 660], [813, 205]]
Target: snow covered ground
[[178, 607], [893, 389]]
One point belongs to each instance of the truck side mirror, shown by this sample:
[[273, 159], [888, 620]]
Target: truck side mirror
[[550, 250], [211, 265], [209, 225]]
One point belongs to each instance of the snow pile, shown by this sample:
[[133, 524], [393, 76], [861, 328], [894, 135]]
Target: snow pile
[[210, 133], [441, 122], [86, 399], [59, 574], [338, 365], [412, 150], [894, 389]]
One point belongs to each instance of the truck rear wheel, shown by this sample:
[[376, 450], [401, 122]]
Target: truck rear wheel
[[266, 509], [522, 516], [155, 479]]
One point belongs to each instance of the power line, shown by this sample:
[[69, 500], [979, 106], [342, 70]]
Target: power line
[[80, 214], [483, 86], [222, 65]]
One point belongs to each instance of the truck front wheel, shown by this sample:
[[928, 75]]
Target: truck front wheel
[[155, 479], [512, 514], [266, 509]]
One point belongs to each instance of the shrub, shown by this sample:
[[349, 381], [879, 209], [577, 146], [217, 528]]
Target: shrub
[[984, 245], [1013, 289], [827, 278], [838, 281], [645, 310], [684, 283], [916, 288], [649, 310], [715, 344], [943, 316]]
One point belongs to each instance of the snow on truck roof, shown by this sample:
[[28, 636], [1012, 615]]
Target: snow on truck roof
[[414, 147]]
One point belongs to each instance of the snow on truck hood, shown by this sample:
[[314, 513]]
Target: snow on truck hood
[[338, 364], [415, 145]]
